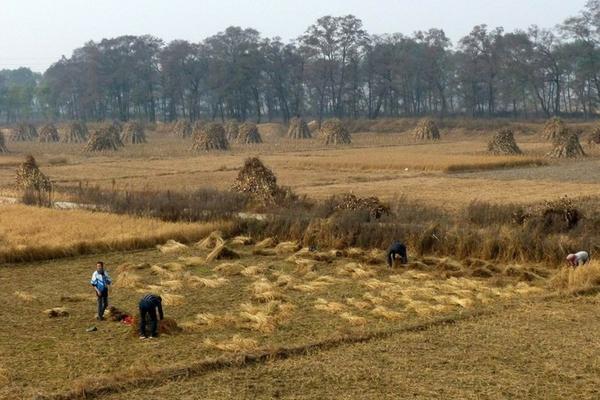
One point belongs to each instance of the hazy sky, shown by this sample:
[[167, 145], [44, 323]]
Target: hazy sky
[[35, 33]]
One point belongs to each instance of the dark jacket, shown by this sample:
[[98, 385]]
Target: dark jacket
[[150, 301], [396, 248]]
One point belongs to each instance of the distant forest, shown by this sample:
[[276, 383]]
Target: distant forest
[[335, 68]]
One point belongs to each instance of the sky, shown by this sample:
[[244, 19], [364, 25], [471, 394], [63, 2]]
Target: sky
[[36, 33]]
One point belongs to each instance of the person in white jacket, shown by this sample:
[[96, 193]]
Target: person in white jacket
[[101, 281], [577, 259]]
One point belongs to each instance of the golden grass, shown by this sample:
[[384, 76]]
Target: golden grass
[[32, 233], [578, 280], [24, 296], [237, 344]]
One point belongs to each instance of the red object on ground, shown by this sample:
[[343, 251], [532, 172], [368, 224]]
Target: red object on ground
[[128, 320]]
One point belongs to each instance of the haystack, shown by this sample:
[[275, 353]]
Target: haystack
[[258, 181], [371, 204], [554, 129], [313, 126], [232, 128], [76, 132], [102, 140], [133, 133], [504, 143], [3, 148], [210, 137], [334, 132], [29, 176], [248, 134], [594, 138], [427, 130], [271, 131], [567, 146], [182, 129], [24, 132], [48, 133], [298, 129]]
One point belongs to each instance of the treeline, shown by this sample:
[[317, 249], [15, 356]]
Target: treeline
[[334, 69]]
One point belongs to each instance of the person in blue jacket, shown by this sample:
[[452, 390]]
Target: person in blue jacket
[[148, 306], [101, 281]]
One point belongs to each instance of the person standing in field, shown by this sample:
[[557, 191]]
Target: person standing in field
[[396, 250], [148, 306], [101, 281], [577, 259]]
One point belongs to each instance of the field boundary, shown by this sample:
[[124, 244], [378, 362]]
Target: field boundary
[[101, 386]]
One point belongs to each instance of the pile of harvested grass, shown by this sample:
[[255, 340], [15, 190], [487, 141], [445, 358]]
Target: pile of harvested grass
[[237, 344], [258, 181], [134, 133], [29, 177], [221, 252], [230, 269], [593, 139], [329, 306], [212, 283], [241, 241], [353, 320], [114, 314], [265, 317], [554, 129], [355, 271], [384, 312], [171, 246], [264, 290], [57, 312], [168, 326], [76, 132], [504, 143], [333, 131], [248, 134], [182, 129], [24, 296], [271, 131], [266, 243], [232, 129], [372, 204], [578, 281], [298, 129], [3, 148], [427, 130], [48, 134], [170, 299], [128, 279], [313, 126], [567, 146], [254, 271], [210, 137], [105, 139], [211, 241], [287, 247], [23, 132]]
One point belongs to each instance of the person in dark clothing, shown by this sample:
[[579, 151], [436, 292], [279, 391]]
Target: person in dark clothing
[[148, 305], [397, 249]]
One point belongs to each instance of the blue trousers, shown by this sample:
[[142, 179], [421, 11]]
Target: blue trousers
[[102, 303], [146, 313]]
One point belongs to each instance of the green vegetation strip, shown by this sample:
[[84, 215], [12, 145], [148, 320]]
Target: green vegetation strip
[[101, 386]]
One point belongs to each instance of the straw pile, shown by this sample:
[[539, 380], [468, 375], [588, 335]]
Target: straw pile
[[427, 130], [298, 129], [182, 129], [133, 133], [554, 129], [24, 132], [102, 140], [248, 134], [372, 204], [232, 129], [29, 176], [313, 126], [57, 312], [258, 181], [76, 132], [334, 132], [567, 146], [3, 148], [594, 138], [504, 143], [209, 137], [48, 133], [271, 131]]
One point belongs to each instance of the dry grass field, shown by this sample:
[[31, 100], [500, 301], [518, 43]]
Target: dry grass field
[[381, 164], [279, 320], [270, 303]]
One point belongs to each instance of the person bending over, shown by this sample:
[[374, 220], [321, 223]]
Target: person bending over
[[577, 259], [396, 250], [148, 306]]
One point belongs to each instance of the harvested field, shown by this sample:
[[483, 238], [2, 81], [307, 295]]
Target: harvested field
[[272, 310]]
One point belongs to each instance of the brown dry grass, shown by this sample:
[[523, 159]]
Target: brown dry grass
[[31, 233]]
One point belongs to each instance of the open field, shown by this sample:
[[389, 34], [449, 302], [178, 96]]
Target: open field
[[385, 165], [255, 304], [30, 233]]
